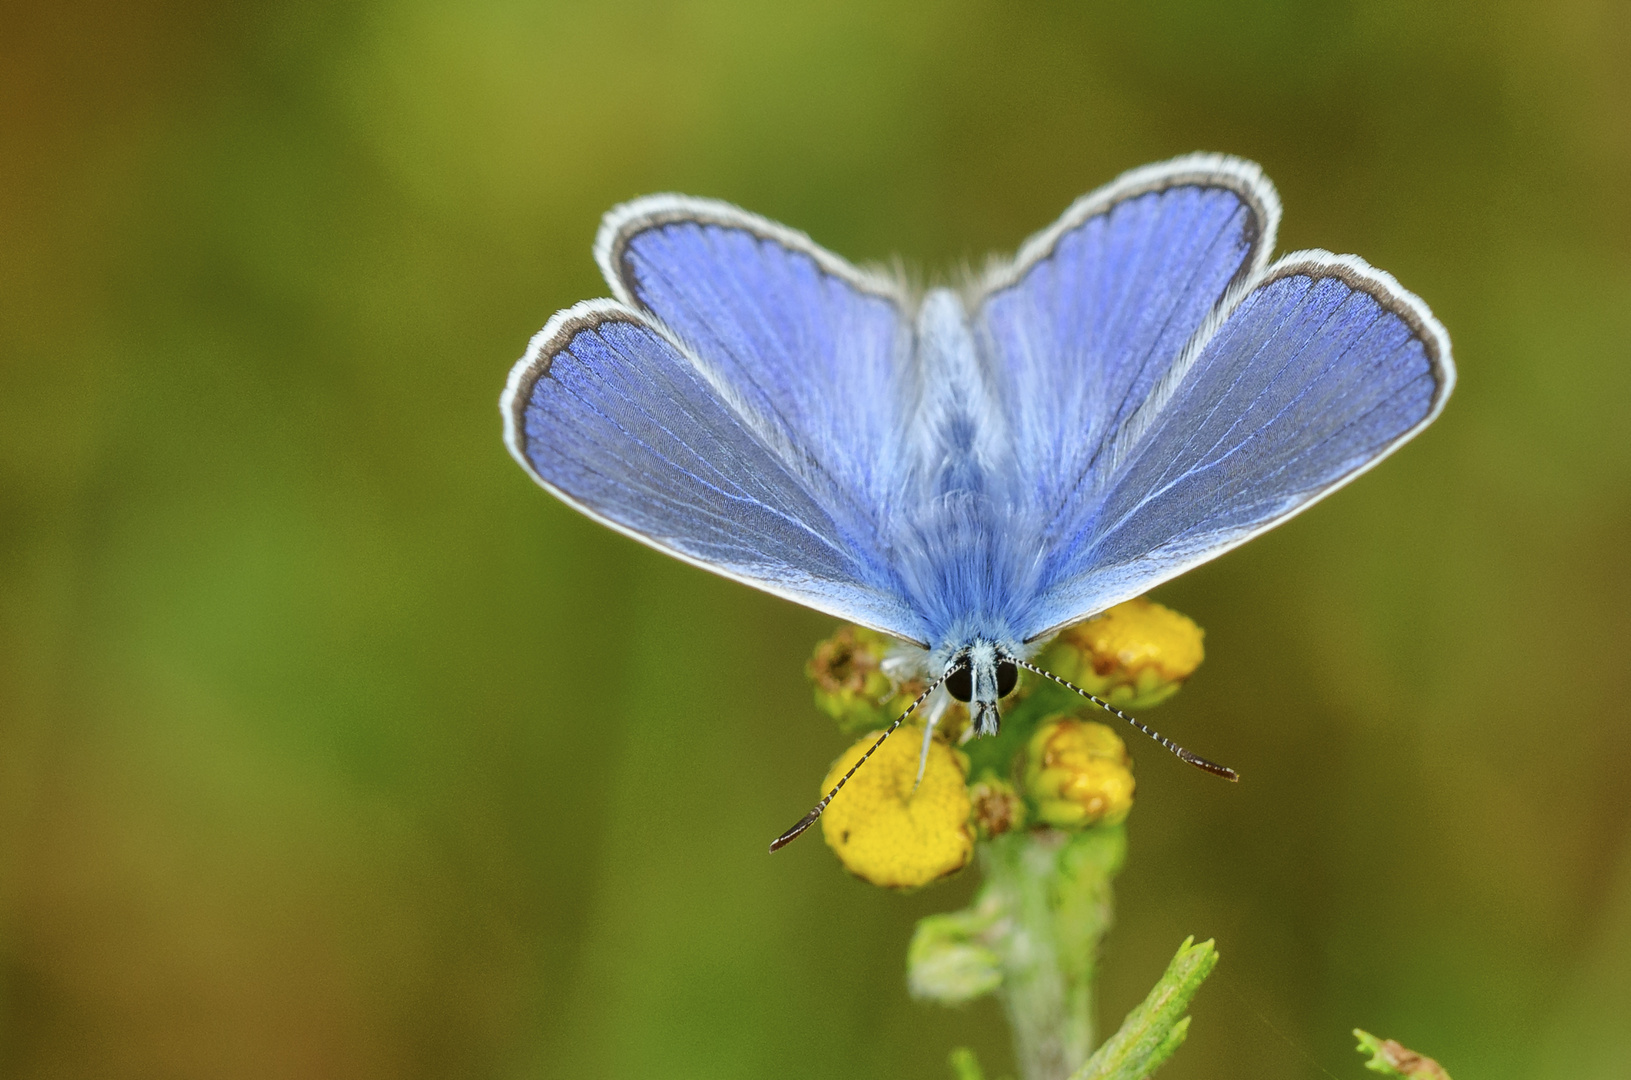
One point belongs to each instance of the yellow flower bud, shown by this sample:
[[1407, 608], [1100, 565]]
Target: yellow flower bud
[[997, 807], [1078, 774], [887, 828], [1134, 655]]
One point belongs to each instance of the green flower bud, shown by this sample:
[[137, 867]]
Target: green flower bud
[[951, 959], [1078, 774], [850, 685], [1134, 655], [1390, 1058]]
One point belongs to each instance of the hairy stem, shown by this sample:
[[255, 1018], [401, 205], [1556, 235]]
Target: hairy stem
[[1053, 892]]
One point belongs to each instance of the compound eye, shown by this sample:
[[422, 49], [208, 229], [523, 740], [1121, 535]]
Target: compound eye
[[960, 683], [1007, 677]]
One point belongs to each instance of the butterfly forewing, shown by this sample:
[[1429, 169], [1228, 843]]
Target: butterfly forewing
[[1095, 310], [1323, 368], [816, 350], [614, 416]]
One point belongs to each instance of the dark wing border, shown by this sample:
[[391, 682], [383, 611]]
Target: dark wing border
[[627, 220], [1238, 175]]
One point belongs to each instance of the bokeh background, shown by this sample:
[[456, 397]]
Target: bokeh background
[[331, 747]]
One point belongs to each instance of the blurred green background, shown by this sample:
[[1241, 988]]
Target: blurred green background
[[332, 747]]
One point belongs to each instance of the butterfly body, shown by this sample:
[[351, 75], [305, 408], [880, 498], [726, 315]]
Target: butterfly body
[[1136, 392]]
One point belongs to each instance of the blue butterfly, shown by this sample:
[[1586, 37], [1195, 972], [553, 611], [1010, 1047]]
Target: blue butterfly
[[1137, 391]]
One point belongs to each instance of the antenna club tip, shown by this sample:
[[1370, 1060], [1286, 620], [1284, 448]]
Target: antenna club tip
[[797, 830], [1208, 766]]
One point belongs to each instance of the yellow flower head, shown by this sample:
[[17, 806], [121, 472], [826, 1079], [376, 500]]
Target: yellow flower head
[[889, 834], [1134, 655], [1079, 774]]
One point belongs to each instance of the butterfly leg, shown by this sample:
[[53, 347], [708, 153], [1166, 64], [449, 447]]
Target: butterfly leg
[[934, 713]]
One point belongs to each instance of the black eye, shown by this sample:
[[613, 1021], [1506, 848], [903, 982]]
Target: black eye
[[1007, 677], [960, 683]]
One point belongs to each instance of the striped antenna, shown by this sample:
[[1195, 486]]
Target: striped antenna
[[810, 819], [1178, 751]]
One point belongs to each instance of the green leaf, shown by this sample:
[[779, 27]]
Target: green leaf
[[1156, 1027]]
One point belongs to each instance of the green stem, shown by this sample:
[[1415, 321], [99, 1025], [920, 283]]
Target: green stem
[[1052, 890]]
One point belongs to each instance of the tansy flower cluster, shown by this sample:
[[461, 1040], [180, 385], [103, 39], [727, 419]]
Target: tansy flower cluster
[[1054, 765]]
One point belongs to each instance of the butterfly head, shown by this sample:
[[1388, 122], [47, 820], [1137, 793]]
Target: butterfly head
[[978, 676]]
